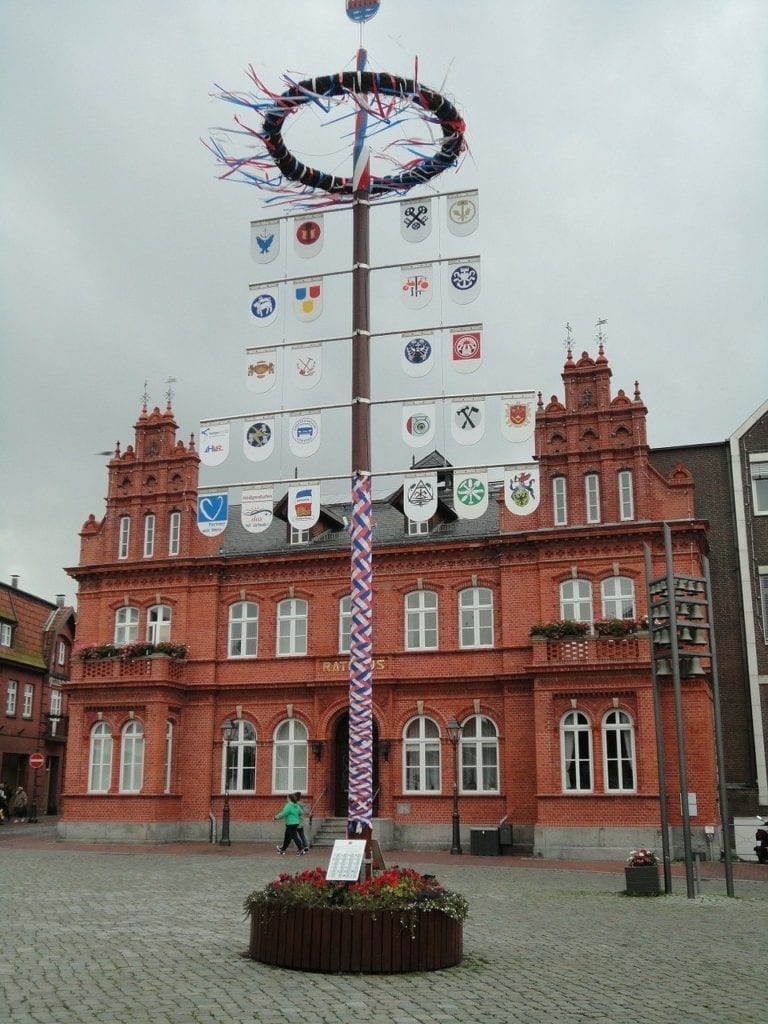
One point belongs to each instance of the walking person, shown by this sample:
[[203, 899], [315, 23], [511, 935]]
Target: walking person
[[300, 829], [5, 811], [19, 805], [291, 814]]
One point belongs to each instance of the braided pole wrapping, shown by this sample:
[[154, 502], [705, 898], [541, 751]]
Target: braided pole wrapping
[[363, 83], [360, 664]]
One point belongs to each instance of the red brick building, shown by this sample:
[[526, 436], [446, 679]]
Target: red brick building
[[558, 733]]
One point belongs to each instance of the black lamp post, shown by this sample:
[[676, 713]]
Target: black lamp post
[[230, 728], [454, 735]]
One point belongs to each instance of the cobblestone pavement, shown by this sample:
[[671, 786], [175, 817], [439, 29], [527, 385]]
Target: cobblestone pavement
[[154, 935]]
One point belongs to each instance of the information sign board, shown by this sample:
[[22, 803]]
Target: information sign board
[[346, 860]]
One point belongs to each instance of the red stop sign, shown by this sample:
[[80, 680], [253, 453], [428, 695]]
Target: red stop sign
[[36, 760]]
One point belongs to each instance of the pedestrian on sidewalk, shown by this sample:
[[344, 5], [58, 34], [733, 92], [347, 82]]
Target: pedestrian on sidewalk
[[291, 814], [5, 810], [300, 829], [19, 805]]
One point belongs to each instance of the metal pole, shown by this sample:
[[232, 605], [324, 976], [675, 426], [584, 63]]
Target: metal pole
[[225, 840], [719, 747], [456, 827], [681, 756], [659, 725]]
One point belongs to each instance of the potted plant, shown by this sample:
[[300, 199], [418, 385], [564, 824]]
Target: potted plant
[[641, 873], [396, 922], [558, 629]]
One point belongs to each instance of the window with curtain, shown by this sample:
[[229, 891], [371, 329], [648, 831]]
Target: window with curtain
[[100, 759], [618, 751], [618, 597], [289, 767], [479, 747], [158, 624], [476, 617], [758, 471], [421, 756], [243, 629], [576, 752], [421, 620]]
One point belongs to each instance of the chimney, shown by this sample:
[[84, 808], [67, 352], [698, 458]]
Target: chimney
[[15, 582], [59, 600]]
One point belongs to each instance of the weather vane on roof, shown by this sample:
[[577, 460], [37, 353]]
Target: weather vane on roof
[[568, 340], [170, 381], [600, 337], [145, 394]]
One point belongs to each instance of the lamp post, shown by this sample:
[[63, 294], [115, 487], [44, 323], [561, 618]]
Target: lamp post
[[230, 729], [454, 735]]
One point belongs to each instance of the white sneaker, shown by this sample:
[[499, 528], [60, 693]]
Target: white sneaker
[[280, 851]]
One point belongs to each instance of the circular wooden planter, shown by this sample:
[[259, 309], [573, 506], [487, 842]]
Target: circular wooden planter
[[354, 941], [642, 880]]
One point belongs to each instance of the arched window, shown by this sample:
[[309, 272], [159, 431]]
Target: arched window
[[158, 624], [618, 597], [345, 624], [132, 758], [289, 768], [479, 756], [243, 629], [576, 752], [421, 620], [421, 756], [100, 759], [618, 752], [476, 617], [292, 627], [576, 600], [240, 753], [126, 625]]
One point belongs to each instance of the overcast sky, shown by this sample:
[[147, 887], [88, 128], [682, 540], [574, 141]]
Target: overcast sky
[[619, 148]]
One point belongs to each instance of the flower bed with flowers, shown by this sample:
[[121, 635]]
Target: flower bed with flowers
[[398, 921], [96, 652], [641, 873]]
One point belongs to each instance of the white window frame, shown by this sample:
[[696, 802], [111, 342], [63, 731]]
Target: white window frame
[[100, 758], [29, 700], [619, 767], [290, 747], [626, 495], [421, 756], [168, 757], [763, 576], [124, 537], [6, 634], [242, 759], [417, 528], [758, 475], [61, 653], [559, 501], [617, 597], [576, 754], [149, 534], [126, 625], [12, 697], [159, 623], [476, 617], [421, 608], [291, 637], [55, 702], [243, 640], [345, 624], [132, 757], [174, 533], [479, 754], [592, 497], [298, 536], [576, 598]]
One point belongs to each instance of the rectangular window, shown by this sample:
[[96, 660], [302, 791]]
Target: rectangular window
[[764, 601], [592, 497], [124, 536], [29, 695], [149, 535], [417, 529], [758, 469], [6, 634], [559, 501], [11, 697], [174, 533], [55, 703], [61, 653], [626, 496], [345, 624], [299, 536]]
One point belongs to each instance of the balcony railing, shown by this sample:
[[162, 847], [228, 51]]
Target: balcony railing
[[155, 668], [594, 650], [55, 728]]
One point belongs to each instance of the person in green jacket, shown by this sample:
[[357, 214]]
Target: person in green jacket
[[291, 813]]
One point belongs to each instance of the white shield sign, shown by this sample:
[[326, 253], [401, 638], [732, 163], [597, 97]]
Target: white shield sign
[[521, 488], [212, 513], [256, 508], [518, 415], [214, 443], [419, 353], [467, 349], [415, 219], [418, 423], [470, 493], [468, 420], [308, 299], [463, 280], [420, 496], [304, 434], [259, 439], [463, 213], [265, 304], [416, 285], [306, 362], [303, 505], [308, 235], [260, 369], [265, 240]]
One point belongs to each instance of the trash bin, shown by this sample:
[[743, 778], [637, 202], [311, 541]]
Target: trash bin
[[505, 840], [484, 842]]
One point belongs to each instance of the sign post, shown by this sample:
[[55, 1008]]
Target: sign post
[[36, 761]]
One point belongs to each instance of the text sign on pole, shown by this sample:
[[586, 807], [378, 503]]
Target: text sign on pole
[[346, 860]]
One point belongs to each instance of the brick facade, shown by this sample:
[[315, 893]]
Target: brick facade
[[519, 687]]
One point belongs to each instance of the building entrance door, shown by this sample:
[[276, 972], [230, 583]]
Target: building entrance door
[[340, 779]]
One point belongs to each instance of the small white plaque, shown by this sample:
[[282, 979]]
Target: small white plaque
[[346, 860]]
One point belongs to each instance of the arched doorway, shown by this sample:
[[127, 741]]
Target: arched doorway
[[340, 768]]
